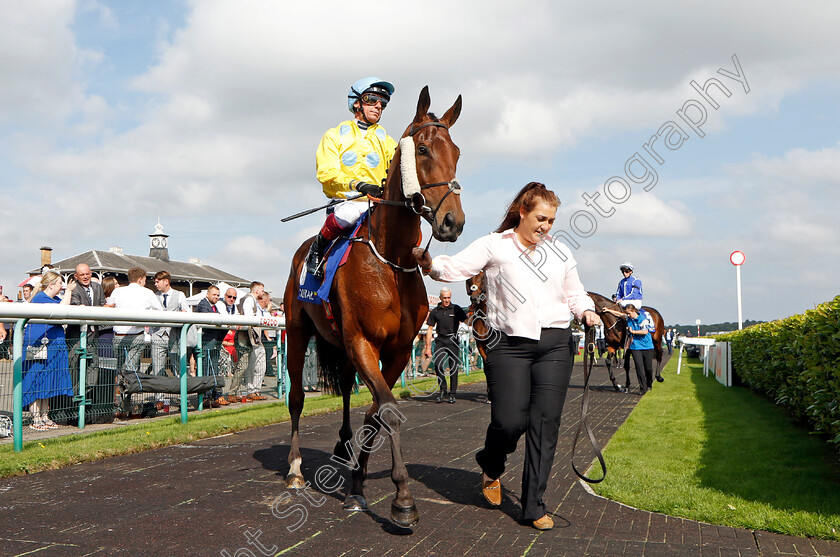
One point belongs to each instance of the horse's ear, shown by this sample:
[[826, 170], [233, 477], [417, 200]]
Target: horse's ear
[[452, 114], [423, 104]]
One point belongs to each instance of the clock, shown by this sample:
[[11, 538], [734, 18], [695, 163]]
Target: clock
[[157, 242]]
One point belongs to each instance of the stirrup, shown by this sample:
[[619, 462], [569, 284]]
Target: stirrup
[[315, 257], [314, 266]]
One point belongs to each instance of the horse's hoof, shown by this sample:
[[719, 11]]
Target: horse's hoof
[[405, 517], [659, 378], [295, 481], [355, 503], [617, 387]]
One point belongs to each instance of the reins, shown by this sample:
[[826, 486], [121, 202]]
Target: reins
[[588, 360]]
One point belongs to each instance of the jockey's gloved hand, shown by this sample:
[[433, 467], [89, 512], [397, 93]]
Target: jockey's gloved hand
[[365, 188]]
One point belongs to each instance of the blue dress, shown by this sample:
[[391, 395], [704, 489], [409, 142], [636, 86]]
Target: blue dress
[[50, 377]]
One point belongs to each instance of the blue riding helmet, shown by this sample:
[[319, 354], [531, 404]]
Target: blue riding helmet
[[368, 84]]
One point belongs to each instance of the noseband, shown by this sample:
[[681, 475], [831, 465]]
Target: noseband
[[452, 185]]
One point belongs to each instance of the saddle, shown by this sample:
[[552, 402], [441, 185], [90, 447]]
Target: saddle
[[314, 291]]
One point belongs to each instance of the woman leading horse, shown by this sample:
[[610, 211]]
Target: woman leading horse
[[378, 301], [615, 334]]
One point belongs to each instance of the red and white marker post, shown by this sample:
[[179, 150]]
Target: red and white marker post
[[737, 258]]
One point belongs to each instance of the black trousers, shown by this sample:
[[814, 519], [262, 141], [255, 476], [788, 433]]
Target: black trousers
[[643, 360], [447, 357], [527, 380]]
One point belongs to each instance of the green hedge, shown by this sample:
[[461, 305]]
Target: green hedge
[[796, 363]]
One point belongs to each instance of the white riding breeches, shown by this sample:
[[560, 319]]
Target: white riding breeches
[[348, 212]]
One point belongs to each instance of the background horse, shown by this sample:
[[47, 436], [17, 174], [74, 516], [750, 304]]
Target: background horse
[[378, 302], [478, 312], [615, 335]]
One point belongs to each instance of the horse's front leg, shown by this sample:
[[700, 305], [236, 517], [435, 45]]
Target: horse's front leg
[[403, 509]]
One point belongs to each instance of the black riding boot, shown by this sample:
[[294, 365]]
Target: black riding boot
[[316, 254]]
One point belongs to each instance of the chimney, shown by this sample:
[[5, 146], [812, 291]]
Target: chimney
[[46, 256]]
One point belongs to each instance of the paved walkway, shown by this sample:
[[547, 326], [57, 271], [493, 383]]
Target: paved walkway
[[226, 496]]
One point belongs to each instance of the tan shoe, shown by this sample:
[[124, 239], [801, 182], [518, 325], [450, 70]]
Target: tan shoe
[[544, 523], [257, 396], [492, 491]]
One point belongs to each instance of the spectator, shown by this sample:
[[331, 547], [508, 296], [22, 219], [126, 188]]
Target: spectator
[[640, 325], [600, 340], [5, 353], [445, 318], [227, 357], [352, 157], [669, 339], [250, 367], [268, 336], [108, 286], [86, 293], [211, 340], [529, 366], [166, 340], [27, 292], [129, 340], [45, 368], [230, 301], [629, 288]]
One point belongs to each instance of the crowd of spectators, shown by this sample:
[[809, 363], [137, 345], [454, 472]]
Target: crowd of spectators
[[54, 356]]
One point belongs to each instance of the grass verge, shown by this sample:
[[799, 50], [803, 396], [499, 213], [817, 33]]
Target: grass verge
[[696, 449], [85, 447]]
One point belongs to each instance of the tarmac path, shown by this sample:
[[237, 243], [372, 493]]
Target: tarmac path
[[226, 496]]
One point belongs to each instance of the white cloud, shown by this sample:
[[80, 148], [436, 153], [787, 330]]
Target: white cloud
[[222, 125]]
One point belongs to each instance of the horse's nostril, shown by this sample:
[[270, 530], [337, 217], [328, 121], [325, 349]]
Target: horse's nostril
[[448, 220]]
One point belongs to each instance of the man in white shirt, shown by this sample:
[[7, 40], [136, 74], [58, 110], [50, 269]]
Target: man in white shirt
[[128, 339], [165, 339]]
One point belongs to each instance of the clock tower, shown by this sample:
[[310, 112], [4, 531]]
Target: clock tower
[[158, 243]]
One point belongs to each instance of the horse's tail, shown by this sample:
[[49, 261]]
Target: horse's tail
[[332, 361]]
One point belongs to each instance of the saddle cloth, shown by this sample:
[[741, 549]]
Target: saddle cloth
[[310, 289]]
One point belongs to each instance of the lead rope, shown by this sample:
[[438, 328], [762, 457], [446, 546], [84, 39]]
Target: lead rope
[[588, 358]]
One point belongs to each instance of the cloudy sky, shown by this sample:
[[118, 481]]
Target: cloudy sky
[[207, 114]]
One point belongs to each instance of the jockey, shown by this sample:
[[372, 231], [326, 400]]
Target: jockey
[[352, 157], [629, 288]]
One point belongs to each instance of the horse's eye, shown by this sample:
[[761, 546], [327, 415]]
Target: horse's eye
[[473, 288], [421, 149]]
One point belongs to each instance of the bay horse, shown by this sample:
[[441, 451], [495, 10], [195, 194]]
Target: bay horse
[[477, 312], [379, 303], [615, 335]]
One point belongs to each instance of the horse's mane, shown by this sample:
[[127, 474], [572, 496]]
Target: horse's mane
[[602, 302]]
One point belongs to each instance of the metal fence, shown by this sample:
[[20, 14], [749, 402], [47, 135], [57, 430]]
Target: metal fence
[[82, 379]]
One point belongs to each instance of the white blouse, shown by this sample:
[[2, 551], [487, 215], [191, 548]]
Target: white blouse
[[527, 289]]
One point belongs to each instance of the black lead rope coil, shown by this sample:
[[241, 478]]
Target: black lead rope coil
[[588, 358]]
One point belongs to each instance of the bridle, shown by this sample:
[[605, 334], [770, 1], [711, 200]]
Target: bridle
[[452, 185], [414, 202]]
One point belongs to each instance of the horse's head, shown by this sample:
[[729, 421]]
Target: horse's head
[[475, 290], [428, 159]]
